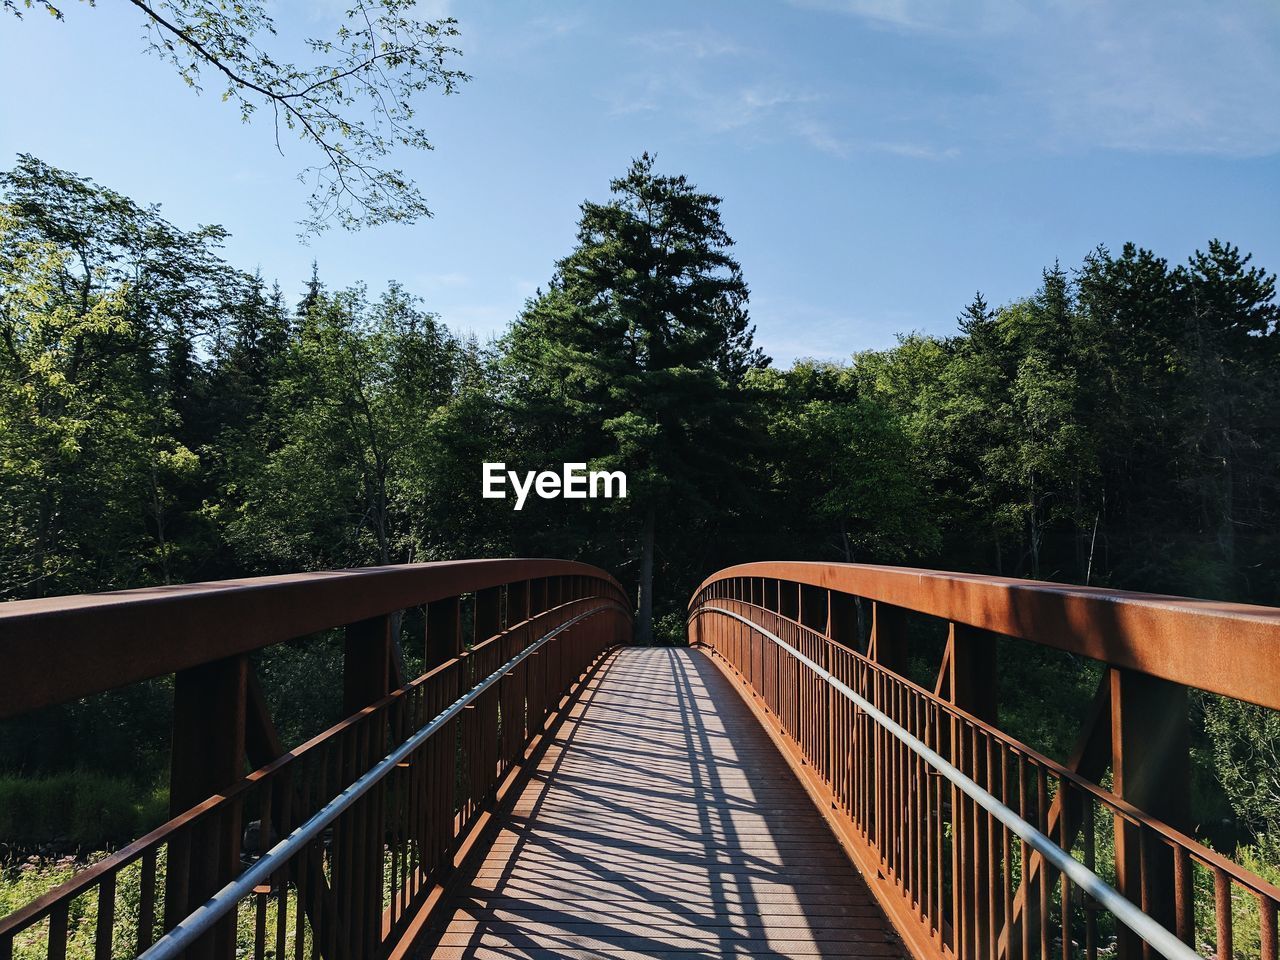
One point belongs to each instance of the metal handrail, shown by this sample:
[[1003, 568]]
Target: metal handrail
[[1153, 933], [202, 920], [1224, 648], [60, 649]]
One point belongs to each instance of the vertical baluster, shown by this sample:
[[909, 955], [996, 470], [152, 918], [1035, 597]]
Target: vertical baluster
[[959, 920], [1267, 923], [1046, 879], [260, 894], [1222, 912], [58, 930], [1024, 855], [104, 932], [994, 831], [1064, 841], [1006, 850], [1090, 913], [281, 884], [1145, 892], [147, 900]]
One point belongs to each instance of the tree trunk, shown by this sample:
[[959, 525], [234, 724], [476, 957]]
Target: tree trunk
[[644, 617]]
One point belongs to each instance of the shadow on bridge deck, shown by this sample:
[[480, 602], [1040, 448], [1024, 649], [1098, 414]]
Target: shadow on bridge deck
[[660, 822]]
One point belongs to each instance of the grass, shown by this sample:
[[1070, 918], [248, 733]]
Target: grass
[[67, 812]]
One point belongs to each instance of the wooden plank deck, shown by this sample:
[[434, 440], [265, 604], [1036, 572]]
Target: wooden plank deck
[[662, 822]]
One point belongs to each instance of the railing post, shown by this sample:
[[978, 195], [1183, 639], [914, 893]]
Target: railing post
[[973, 681], [843, 620], [889, 637], [971, 686], [517, 602], [488, 620], [209, 703], [366, 663], [1151, 769], [444, 631], [358, 880]]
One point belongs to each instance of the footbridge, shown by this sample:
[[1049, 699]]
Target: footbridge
[[821, 771]]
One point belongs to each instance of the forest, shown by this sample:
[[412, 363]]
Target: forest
[[166, 417]]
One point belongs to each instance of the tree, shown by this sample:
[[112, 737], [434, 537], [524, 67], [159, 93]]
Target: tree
[[332, 475], [845, 481], [103, 304], [1232, 352], [644, 339], [354, 104]]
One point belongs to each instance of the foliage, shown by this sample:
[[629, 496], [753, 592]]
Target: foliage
[[1246, 756], [643, 339], [165, 417], [841, 465], [74, 810], [354, 103]]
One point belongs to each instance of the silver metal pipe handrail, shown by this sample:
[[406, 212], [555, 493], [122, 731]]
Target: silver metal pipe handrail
[[201, 920], [1162, 940]]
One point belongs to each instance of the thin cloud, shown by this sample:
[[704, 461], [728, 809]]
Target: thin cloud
[[448, 280], [1197, 77], [697, 45], [931, 16]]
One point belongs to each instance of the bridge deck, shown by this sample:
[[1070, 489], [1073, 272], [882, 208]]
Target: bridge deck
[[662, 822]]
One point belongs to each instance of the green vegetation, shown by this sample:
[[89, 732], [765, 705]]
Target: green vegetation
[[166, 417], [352, 99], [77, 809]]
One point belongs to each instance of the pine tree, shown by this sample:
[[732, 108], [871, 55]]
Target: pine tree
[[644, 337]]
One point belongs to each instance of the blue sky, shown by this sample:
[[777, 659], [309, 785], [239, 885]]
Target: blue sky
[[879, 159]]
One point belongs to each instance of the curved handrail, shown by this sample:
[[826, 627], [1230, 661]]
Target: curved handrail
[[443, 789], [801, 632], [203, 919], [85, 879], [1152, 933], [60, 649], [1120, 806], [1228, 648]]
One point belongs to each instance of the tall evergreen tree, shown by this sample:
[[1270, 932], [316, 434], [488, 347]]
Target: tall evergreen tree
[[644, 336]]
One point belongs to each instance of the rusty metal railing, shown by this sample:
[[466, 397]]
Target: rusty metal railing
[[443, 746], [958, 880]]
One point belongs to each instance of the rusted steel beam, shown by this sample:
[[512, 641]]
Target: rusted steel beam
[[888, 644], [63, 648], [971, 659], [488, 614], [1150, 768], [366, 663], [1227, 648], [444, 631], [208, 731], [844, 620], [208, 757], [262, 742]]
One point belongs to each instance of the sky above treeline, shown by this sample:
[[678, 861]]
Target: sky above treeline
[[879, 160]]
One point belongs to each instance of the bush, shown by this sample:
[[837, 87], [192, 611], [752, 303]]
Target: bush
[[69, 811]]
